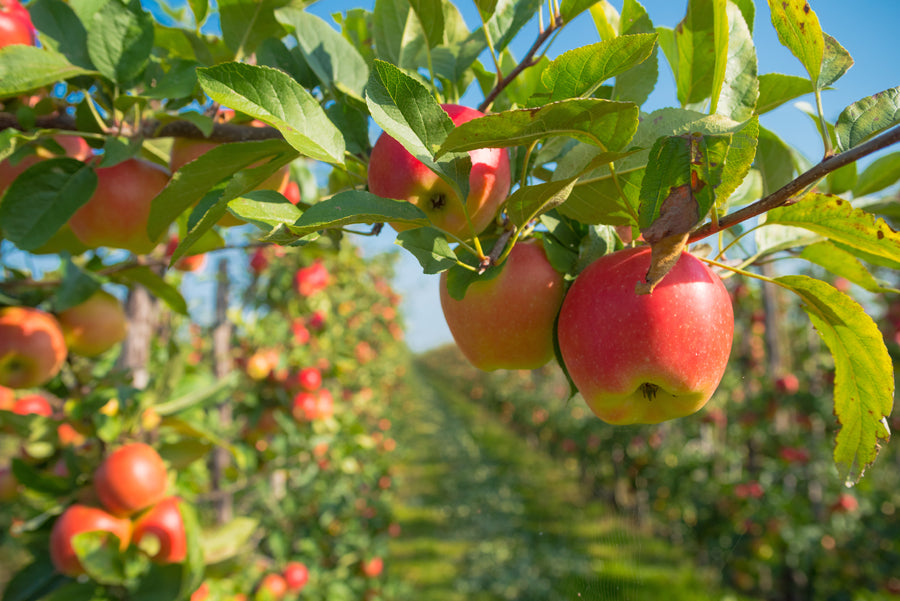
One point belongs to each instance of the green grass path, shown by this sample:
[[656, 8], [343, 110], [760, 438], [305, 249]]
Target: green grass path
[[486, 517]]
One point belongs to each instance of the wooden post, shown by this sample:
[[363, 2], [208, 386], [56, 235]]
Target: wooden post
[[221, 336]]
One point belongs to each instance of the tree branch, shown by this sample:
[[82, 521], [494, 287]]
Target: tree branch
[[785, 194]]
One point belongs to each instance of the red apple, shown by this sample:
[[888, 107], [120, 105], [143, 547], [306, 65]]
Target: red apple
[[75, 520], [645, 358], [787, 384], [259, 261], [15, 24], [262, 363], [33, 404], [32, 347], [311, 406], [116, 216], [164, 523], [74, 146], [131, 478], [395, 173], [309, 379], [272, 587], [311, 279], [507, 322], [7, 398], [94, 326], [296, 575], [202, 592], [292, 192], [372, 568]]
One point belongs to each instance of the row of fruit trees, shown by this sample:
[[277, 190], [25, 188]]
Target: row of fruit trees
[[161, 451]]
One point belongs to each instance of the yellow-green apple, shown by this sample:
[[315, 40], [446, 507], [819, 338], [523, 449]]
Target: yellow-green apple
[[15, 24], [395, 173], [507, 322], [160, 530], [32, 347], [75, 520], [94, 326], [645, 358], [117, 213], [131, 478], [185, 150]]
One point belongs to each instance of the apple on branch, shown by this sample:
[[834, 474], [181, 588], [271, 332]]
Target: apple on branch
[[32, 347], [645, 358], [506, 322], [395, 173], [94, 326]]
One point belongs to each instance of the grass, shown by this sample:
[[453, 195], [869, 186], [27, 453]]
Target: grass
[[486, 517]]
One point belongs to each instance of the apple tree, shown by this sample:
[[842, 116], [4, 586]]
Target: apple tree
[[134, 142]]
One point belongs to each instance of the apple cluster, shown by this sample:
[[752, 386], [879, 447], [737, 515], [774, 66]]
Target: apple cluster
[[131, 487], [34, 344], [634, 357]]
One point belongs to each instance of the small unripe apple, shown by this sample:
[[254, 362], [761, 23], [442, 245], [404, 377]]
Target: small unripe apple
[[116, 216], [75, 520], [395, 173], [645, 358], [32, 347], [94, 326], [507, 322]]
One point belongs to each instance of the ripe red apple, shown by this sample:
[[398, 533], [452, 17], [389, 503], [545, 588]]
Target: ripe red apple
[[75, 147], [185, 150], [116, 216], [33, 404], [164, 523], [15, 24], [372, 568], [309, 379], [787, 384], [311, 406], [75, 520], [94, 326], [131, 478], [645, 358], [202, 592], [507, 322], [292, 192], [395, 173], [272, 587], [259, 261], [296, 575], [311, 279], [32, 347]]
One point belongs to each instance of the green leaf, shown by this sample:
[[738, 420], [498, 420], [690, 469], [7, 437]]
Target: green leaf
[[196, 178], [200, 8], [636, 84], [355, 206], [430, 247], [407, 112], [509, 17], [864, 380], [76, 287], [698, 51], [274, 53], [841, 180], [399, 38], [43, 198], [246, 23], [867, 117], [881, 173], [530, 202], [774, 161], [61, 30], [332, 58], [431, 16], [580, 72], [228, 540], [265, 208], [836, 219], [120, 39], [25, 69], [835, 62], [843, 263], [273, 97], [776, 88], [604, 123], [741, 154], [799, 31], [153, 282], [668, 168], [98, 552], [606, 19], [36, 580], [198, 397], [723, 24], [178, 81], [740, 86]]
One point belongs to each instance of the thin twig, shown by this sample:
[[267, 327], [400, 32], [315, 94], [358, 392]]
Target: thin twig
[[785, 194]]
